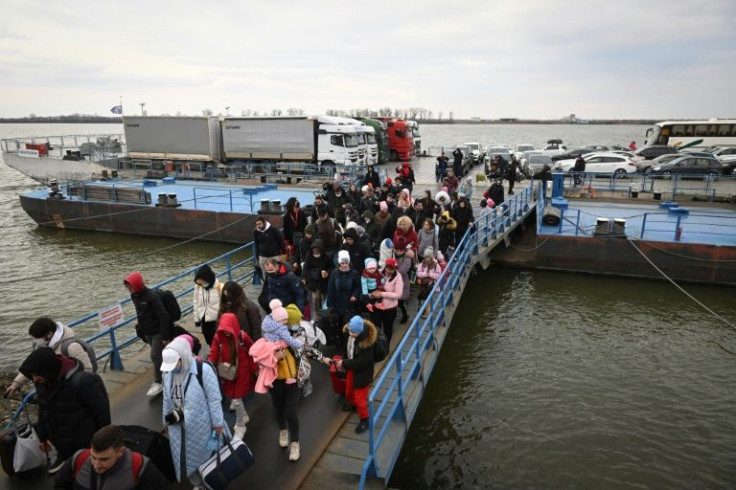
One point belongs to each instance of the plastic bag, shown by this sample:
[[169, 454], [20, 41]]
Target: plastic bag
[[28, 454]]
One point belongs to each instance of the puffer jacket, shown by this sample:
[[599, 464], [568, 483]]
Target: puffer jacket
[[393, 290], [313, 267], [361, 363], [341, 287], [71, 407], [152, 316], [206, 300], [285, 286], [220, 351]]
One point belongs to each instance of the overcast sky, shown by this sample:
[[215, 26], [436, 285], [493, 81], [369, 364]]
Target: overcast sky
[[484, 58]]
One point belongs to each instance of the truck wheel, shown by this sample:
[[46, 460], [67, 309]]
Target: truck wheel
[[394, 156]]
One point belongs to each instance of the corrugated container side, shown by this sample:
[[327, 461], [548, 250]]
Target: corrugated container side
[[269, 138], [171, 137]]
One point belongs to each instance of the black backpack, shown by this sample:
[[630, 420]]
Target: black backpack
[[380, 348], [64, 348], [170, 303]]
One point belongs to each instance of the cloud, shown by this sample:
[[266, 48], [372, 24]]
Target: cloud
[[491, 58]]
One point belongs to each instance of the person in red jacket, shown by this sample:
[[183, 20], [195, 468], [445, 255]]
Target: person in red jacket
[[230, 346], [405, 229]]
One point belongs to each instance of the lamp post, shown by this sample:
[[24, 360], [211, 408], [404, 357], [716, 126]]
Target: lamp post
[[227, 110], [142, 104]]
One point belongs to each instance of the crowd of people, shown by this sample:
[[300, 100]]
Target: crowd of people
[[352, 255]]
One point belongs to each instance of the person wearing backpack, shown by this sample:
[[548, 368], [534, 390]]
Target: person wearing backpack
[[72, 403], [192, 410], [48, 333], [154, 323], [358, 359], [207, 289], [236, 369], [112, 464]]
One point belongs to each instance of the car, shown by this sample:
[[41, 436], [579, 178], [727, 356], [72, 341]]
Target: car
[[499, 150], [521, 148], [723, 151], [696, 166], [601, 163], [476, 151], [727, 156], [573, 153], [629, 154], [653, 151], [533, 164], [467, 159], [643, 166]]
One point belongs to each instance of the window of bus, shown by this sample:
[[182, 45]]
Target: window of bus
[[701, 130], [678, 130], [725, 130]]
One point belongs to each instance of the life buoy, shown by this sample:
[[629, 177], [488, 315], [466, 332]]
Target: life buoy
[[590, 189]]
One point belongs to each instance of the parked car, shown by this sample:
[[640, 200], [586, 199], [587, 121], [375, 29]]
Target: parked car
[[696, 167], [727, 156], [723, 151], [467, 158], [492, 151], [476, 151], [601, 163], [652, 152], [554, 147], [629, 154], [643, 166], [572, 154], [521, 148], [533, 164]]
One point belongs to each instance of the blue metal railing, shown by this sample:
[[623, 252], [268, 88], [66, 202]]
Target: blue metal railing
[[404, 365], [238, 266]]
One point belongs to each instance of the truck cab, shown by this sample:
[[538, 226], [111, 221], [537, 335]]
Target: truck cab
[[337, 142], [400, 140], [381, 136], [369, 144], [416, 135]]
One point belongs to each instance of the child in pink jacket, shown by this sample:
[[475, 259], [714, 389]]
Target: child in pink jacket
[[428, 272]]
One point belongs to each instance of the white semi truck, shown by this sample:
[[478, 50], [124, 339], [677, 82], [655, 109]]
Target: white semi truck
[[320, 139]]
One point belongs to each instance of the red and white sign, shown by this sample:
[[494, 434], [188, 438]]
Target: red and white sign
[[111, 316]]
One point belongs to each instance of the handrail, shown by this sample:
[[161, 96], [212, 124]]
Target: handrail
[[420, 335], [237, 270]]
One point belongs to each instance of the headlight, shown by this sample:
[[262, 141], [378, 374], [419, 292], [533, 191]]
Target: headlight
[[657, 169]]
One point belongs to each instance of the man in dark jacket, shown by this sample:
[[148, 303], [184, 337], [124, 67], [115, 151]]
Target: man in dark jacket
[[417, 213], [371, 177], [338, 202], [579, 170], [281, 284], [326, 231], [357, 249], [343, 288], [457, 161], [154, 325], [372, 229], [268, 242], [111, 464], [316, 272], [72, 402]]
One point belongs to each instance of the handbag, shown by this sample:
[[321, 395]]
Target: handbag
[[227, 371], [227, 464], [28, 454]]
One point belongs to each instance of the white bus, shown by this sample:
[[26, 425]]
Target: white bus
[[694, 134]]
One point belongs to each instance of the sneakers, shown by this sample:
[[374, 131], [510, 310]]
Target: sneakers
[[284, 438], [232, 405], [362, 426], [239, 431], [155, 389], [294, 453], [246, 419], [347, 407], [55, 466]]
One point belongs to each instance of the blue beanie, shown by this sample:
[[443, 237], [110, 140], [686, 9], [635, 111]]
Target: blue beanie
[[356, 325]]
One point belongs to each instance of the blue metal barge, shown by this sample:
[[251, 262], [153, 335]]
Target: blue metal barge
[[211, 211]]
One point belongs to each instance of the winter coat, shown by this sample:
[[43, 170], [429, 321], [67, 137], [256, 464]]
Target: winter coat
[[152, 315], [427, 238], [417, 217], [446, 236], [206, 300], [393, 289], [358, 251], [337, 203], [341, 287], [72, 405], [294, 222], [385, 251], [361, 363], [274, 331], [285, 286], [74, 350], [381, 221], [463, 217], [410, 238], [269, 242], [202, 410], [404, 267], [371, 177], [373, 230], [249, 319], [327, 232], [313, 267], [432, 272], [220, 352], [119, 477]]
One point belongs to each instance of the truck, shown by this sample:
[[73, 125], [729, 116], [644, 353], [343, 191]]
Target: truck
[[416, 135], [319, 139], [381, 137], [367, 135], [400, 140], [173, 138]]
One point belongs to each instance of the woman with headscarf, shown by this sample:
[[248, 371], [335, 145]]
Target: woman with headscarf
[[206, 301], [192, 409]]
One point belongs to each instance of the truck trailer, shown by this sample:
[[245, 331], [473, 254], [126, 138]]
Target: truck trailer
[[173, 138], [320, 139]]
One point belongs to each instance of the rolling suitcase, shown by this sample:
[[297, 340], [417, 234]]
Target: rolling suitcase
[[329, 323], [152, 444], [338, 378]]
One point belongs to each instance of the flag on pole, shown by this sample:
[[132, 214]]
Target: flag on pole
[[118, 109]]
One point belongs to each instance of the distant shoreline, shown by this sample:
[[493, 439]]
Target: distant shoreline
[[77, 119]]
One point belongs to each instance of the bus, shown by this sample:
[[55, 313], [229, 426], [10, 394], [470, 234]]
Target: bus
[[693, 134]]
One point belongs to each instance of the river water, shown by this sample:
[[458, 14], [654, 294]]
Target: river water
[[546, 380]]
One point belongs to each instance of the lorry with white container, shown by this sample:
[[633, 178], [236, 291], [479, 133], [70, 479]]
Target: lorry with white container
[[321, 139], [367, 135]]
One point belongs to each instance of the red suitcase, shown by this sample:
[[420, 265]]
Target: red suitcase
[[337, 377]]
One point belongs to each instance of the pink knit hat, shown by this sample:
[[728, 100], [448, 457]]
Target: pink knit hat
[[278, 312]]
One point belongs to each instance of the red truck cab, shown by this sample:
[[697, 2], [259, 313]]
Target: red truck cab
[[400, 139]]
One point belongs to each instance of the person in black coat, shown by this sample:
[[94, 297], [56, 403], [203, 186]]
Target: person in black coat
[[343, 288], [72, 403], [268, 242], [371, 177], [357, 361], [578, 170], [357, 248], [295, 220], [280, 283], [463, 215], [316, 273], [457, 163]]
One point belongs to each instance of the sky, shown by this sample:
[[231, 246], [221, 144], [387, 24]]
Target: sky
[[486, 58]]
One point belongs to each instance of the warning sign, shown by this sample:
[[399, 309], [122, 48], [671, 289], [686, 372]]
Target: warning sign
[[109, 317]]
